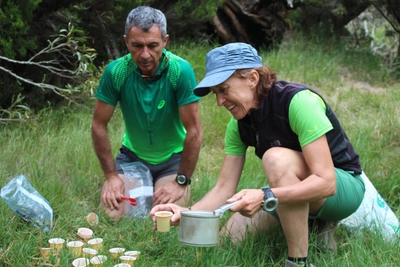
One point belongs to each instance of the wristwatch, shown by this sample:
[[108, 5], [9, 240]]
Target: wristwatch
[[270, 201], [181, 179]]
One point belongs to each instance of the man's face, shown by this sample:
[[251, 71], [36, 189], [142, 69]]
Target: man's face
[[146, 48]]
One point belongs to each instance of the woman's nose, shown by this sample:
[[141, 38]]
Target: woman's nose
[[220, 99]]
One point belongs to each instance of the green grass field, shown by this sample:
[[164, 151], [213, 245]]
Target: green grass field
[[54, 151]]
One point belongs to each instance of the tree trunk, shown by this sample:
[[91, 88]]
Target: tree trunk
[[259, 23]]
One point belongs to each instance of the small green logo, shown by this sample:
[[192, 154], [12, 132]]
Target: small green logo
[[161, 104], [380, 201]]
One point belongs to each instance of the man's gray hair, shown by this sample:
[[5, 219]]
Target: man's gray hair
[[145, 17]]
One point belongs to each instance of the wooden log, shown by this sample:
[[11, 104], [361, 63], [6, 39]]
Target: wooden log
[[259, 23]]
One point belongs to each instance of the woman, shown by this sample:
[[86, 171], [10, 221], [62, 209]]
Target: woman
[[309, 163]]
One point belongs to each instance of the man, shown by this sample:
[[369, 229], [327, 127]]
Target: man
[[162, 123]]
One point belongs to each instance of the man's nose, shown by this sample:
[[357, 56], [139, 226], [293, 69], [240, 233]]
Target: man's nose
[[145, 53]]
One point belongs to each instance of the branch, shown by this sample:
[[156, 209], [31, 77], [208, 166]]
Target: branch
[[45, 65], [43, 86], [69, 58], [386, 17]]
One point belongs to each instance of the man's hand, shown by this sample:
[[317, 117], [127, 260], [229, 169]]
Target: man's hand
[[168, 193], [175, 219], [113, 189]]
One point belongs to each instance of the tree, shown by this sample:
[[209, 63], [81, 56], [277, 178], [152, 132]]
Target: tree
[[259, 23], [390, 9], [64, 57], [14, 43]]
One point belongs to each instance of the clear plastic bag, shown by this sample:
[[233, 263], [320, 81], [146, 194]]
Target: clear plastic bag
[[374, 214], [30, 206], [139, 185]]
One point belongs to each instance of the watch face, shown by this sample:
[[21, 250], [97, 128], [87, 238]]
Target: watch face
[[181, 179], [270, 201]]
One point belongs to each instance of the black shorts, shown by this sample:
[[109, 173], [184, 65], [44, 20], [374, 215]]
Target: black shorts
[[158, 171]]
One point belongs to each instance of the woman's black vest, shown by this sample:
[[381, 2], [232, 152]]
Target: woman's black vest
[[268, 126]]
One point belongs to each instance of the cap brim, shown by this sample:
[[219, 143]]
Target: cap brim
[[202, 91], [203, 88]]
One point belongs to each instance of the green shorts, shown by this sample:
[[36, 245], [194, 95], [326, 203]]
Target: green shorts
[[350, 190]]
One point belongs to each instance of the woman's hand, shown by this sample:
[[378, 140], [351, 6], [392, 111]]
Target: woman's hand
[[249, 201], [175, 209]]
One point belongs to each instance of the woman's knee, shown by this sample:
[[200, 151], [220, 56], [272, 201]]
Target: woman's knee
[[274, 157], [283, 163]]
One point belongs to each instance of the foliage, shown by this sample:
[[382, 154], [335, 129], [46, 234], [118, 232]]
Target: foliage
[[390, 9], [14, 43], [370, 31], [28, 25], [66, 57], [326, 16], [188, 20], [98, 24], [104, 21], [15, 24]]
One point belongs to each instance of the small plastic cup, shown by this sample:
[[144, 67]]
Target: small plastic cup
[[133, 253], [56, 243], [46, 252], [75, 247], [85, 233], [163, 220], [80, 262], [116, 252], [96, 243], [92, 218], [98, 260], [89, 252], [127, 259]]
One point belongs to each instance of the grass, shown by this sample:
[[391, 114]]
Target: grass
[[54, 151]]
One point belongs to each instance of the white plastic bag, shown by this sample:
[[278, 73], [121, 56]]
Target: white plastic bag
[[139, 185], [24, 200], [374, 214]]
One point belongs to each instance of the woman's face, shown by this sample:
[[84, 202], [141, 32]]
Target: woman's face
[[238, 95]]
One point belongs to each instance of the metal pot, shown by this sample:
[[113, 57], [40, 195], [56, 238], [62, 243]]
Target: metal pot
[[200, 228]]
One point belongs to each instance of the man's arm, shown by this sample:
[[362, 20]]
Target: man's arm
[[113, 187], [101, 142], [190, 117], [171, 191]]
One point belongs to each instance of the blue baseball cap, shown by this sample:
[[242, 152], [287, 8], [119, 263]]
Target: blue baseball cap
[[222, 62]]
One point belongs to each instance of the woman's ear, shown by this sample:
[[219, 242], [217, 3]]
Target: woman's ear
[[254, 77]]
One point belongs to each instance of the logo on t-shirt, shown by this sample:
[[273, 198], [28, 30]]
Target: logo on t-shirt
[[275, 143], [161, 104]]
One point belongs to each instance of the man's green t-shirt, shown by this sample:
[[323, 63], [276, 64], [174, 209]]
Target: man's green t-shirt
[[153, 128], [307, 119]]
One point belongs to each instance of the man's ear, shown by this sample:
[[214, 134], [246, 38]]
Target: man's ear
[[126, 40], [166, 38]]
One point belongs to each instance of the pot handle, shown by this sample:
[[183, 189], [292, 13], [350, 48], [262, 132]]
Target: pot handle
[[220, 211]]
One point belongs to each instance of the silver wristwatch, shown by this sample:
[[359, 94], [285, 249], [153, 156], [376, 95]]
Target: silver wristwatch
[[270, 201]]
